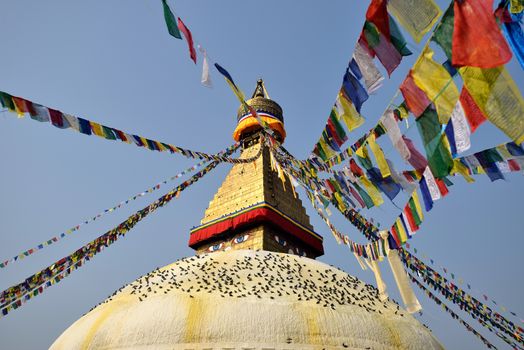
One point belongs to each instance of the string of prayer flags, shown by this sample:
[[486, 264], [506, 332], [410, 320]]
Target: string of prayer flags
[[87, 127], [75, 228], [477, 39], [415, 16], [468, 303], [497, 96], [469, 287], [443, 34], [512, 27], [189, 38], [432, 296], [171, 23], [10, 298]]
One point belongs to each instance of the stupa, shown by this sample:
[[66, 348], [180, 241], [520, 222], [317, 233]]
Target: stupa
[[254, 282]]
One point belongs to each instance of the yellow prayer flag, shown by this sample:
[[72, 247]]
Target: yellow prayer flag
[[517, 6], [497, 95], [97, 129], [372, 191], [401, 231], [329, 152], [417, 205], [415, 16], [459, 168], [432, 78], [379, 156], [348, 113]]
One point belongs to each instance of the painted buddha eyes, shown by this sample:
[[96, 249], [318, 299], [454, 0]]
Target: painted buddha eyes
[[240, 239], [215, 247], [280, 241]]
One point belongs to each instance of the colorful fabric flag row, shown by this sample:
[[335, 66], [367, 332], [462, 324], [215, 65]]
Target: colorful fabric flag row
[[495, 97], [61, 120], [460, 281], [451, 312], [466, 302], [380, 38], [372, 233], [9, 298], [75, 228], [62, 235]]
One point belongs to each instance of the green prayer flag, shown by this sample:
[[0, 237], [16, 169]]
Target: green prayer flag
[[443, 35], [172, 26], [371, 34], [414, 213], [109, 134], [7, 101], [438, 154], [365, 196], [338, 127], [397, 39]]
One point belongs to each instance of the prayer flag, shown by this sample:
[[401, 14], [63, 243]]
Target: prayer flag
[[372, 76], [461, 132], [473, 113], [397, 39], [386, 184], [416, 159], [381, 46], [416, 100], [516, 6], [372, 191], [432, 185], [394, 134], [229, 80], [379, 156], [337, 127], [206, 77], [189, 39], [56, 118], [477, 40], [426, 196], [172, 27], [40, 114], [512, 27], [377, 14], [443, 34], [353, 90], [415, 16], [439, 156], [432, 78], [348, 113], [498, 97]]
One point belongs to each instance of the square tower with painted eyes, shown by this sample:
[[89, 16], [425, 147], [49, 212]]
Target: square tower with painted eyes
[[254, 208]]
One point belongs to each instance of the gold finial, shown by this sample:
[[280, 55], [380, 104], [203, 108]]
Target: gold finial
[[260, 91]]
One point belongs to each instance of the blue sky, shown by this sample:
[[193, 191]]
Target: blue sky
[[113, 62]]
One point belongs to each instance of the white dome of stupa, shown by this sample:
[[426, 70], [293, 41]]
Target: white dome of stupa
[[245, 299]]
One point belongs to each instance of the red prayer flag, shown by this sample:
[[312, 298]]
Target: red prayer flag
[[474, 114], [416, 100], [355, 169], [189, 39], [477, 40], [442, 187], [513, 165], [377, 14], [411, 220]]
